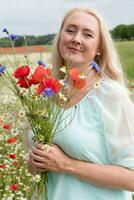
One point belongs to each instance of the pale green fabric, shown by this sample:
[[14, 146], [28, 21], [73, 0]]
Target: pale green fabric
[[101, 132]]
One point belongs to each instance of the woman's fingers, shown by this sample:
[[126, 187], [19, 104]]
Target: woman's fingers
[[45, 147], [49, 157], [36, 157], [38, 164], [39, 152]]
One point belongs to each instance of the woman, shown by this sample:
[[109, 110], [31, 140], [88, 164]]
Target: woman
[[93, 158]]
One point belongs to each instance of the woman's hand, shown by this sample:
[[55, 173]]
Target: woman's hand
[[51, 158], [31, 168]]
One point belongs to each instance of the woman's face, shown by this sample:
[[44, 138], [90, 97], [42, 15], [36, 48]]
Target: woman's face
[[79, 39]]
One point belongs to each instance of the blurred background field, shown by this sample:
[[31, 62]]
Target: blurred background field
[[126, 53], [125, 50]]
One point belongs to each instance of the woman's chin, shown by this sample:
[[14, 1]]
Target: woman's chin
[[73, 59]]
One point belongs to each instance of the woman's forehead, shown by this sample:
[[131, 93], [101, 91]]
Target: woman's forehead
[[82, 19]]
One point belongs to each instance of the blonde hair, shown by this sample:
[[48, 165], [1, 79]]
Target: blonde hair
[[108, 58]]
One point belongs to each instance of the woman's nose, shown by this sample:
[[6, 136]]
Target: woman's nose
[[77, 39]]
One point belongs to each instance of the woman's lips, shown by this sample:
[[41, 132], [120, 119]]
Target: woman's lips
[[72, 49]]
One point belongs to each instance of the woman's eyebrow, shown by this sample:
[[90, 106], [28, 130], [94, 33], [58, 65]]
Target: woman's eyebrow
[[72, 25], [89, 30]]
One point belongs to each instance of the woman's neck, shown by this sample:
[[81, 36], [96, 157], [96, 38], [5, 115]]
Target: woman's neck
[[81, 68]]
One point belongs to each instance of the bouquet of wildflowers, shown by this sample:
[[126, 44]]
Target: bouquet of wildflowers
[[43, 98]]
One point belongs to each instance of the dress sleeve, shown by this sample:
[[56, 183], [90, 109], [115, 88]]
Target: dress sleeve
[[118, 120]]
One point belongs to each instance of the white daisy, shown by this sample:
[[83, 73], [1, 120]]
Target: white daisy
[[14, 131], [22, 113], [37, 178]]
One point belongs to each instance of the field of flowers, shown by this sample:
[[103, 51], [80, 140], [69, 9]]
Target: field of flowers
[[14, 177]]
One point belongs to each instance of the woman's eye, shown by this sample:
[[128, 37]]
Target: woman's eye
[[88, 35], [70, 30]]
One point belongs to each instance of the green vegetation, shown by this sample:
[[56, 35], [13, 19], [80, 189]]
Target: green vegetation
[[31, 40], [126, 52], [123, 32]]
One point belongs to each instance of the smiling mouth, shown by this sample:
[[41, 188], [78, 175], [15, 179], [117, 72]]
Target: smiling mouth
[[74, 49]]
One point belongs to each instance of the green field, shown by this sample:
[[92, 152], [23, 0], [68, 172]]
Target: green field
[[126, 54]]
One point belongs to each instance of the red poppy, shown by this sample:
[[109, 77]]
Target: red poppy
[[22, 72], [13, 156], [2, 166], [14, 187], [73, 73], [40, 73], [11, 140], [6, 126], [49, 82], [79, 80], [24, 83], [32, 80], [40, 88]]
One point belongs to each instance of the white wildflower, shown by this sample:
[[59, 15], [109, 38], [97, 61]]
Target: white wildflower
[[22, 198], [23, 91], [37, 178], [9, 198], [1, 137], [63, 97], [22, 113], [82, 76], [14, 131], [63, 69]]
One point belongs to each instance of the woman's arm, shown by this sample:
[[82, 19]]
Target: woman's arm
[[102, 175]]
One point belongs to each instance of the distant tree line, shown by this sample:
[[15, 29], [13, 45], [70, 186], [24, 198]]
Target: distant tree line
[[120, 32], [29, 39], [123, 32]]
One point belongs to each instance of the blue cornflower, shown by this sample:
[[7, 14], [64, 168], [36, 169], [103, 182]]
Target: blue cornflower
[[13, 37], [41, 63], [5, 31], [2, 69], [48, 92], [95, 66]]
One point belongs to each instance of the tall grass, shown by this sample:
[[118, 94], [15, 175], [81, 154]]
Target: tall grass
[[126, 53]]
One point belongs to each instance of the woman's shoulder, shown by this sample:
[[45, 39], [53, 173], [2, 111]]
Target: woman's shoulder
[[113, 88], [115, 96], [109, 93]]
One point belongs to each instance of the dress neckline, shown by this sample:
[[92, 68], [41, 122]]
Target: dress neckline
[[95, 86]]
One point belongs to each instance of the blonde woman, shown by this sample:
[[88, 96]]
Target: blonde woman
[[93, 158]]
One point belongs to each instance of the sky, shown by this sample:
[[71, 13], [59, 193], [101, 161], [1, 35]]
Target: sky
[[41, 17]]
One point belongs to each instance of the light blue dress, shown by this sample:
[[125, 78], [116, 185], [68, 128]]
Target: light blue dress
[[101, 132]]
